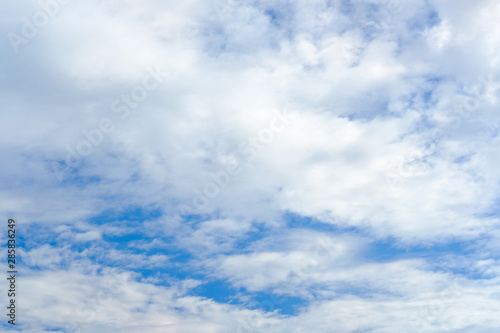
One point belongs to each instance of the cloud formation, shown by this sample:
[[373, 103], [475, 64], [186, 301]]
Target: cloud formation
[[253, 166]]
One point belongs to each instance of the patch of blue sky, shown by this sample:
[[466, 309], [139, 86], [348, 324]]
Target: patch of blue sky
[[463, 159], [165, 277], [197, 218], [434, 80], [257, 233], [136, 243], [427, 94], [446, 257], [19, 327], [343, 289], [139, 214], [274, 15], [430, 85], [423, 96], [389, 249], [80, 182], [219, 291], [295, 221], [423, 22], [224, 292], [433, 18], [32, 235], [368, 108], [285, 305], [347, 7]]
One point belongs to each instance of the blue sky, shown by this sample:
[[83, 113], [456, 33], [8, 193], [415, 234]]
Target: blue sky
[[252, 166]]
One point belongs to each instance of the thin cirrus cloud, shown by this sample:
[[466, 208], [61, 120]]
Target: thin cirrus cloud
[[298, 166]]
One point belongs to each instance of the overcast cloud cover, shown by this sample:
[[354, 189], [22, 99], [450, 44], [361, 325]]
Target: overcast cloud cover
[[252, 166]]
